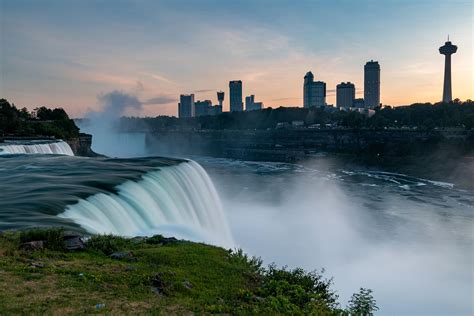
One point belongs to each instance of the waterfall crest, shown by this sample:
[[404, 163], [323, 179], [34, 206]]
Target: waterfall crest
[[179, 201], [56, 148]]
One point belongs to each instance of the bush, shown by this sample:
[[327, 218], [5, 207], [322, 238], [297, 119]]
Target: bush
[[53, 237], [298, 289], [107, 244], [253, 263]]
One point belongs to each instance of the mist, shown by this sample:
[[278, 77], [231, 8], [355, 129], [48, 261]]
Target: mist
[[410, 240], [102, 124], [414, 258]]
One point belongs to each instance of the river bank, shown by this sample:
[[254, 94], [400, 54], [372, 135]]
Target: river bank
[[441, 155], [53, 272]]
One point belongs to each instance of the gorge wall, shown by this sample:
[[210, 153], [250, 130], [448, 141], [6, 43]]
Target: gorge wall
[[82, 145], [288, 145]]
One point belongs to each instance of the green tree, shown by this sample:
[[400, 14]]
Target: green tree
[[362, 303]]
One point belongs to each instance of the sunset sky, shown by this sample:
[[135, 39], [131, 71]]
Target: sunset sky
[[68, 52]]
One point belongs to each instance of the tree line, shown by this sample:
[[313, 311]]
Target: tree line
[[40, 122], [424, 116]]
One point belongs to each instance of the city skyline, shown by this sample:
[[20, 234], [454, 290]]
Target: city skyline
[[137, 47]]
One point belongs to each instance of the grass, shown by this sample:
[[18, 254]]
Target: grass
[[176, 278]]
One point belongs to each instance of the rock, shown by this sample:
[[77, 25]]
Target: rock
[[187, 284], [123, 255], [160, 240], [73, 242], [37, 265], [33, 245], [99, 306], [157, 283]]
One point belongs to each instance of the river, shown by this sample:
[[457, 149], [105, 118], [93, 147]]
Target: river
[[409, 239]]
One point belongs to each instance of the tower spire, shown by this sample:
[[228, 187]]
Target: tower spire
[[447, 50]]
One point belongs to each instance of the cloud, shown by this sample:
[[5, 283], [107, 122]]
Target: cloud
[[161, 78], [162, 99], [115, 103], [204, 90]]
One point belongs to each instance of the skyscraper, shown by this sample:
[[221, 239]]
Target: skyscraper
[[345, 95], [307, 90], [251, 105], [314, 93], [220, 98], [447, 50], [186, 105], [249, 102], [235, 93], [203, 108], [372, 84]]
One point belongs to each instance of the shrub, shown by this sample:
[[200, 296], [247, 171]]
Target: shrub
[[107, 244], [253, 263], [53, 237]]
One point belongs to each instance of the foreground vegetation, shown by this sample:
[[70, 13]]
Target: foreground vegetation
[[41, 122], [155, 276]]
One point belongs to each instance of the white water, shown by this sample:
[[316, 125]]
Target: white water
[[57, 148], [179, 201]]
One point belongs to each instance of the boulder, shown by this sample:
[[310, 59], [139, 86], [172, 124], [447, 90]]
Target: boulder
[[157, 283], [187, 284], [32, 245], [73, 242], [123, 255], [160, 240]]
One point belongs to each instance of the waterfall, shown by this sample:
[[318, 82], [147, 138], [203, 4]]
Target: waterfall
[[179, 201], [57, 148]]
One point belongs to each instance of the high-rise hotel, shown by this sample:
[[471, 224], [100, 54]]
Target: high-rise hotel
[[235, 96], [345, 95], [314, 92], [372, 84]]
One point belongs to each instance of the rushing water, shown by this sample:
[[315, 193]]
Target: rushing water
[[408, 239], [36, 147], [127, 197]]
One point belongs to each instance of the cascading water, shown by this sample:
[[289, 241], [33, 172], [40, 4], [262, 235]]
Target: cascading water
[[179, 201], [57, 148]]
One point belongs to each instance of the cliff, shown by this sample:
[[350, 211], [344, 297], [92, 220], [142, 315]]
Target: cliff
[[443, 155], [82, 145], [294, 144]]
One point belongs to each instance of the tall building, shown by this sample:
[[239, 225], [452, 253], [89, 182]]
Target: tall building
[[314, 92], [186, 105], [319, 93], [307, 90], [220, 98], [251, 105], [249, 102], [235, 93], [447, 50], [202, 108], [345, 95], [372, 84]]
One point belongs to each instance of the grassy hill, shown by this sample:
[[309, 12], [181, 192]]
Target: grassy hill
[[154, 275]]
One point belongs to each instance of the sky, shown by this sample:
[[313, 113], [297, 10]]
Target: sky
[[69, 53]]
